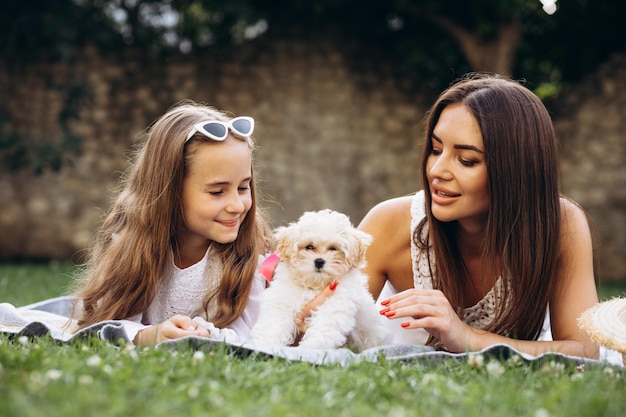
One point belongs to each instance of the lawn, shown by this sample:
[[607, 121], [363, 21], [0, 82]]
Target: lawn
[[41, 378]]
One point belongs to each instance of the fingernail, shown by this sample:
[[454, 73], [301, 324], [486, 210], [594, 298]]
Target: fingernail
[[384, 303], [390, 313], [405, 324], [383, 311], [333, 286]]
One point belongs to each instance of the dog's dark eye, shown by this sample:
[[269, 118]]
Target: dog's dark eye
[[309, 247], [332, 248]]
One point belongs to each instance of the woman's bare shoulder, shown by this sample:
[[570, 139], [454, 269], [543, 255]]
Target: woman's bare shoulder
[[574, 218], [389, 222], [389, 255], [392, 211]]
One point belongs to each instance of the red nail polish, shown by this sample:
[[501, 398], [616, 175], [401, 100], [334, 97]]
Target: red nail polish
[[383, 311], [333, 286], [405, 324], [390, 313], [384, 303]]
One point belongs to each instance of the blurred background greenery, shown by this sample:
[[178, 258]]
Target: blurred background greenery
[[554, 45], [425, 38]]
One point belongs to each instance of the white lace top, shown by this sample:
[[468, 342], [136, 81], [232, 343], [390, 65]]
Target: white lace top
[[183, 291]]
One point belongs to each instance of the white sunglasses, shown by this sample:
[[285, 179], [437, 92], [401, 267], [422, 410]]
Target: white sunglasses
[[241, 126]]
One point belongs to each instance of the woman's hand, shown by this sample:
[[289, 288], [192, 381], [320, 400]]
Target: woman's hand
[[176, 327], [430, 310], [309, 308]]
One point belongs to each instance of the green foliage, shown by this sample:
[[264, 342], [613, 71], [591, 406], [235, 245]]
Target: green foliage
[[551, 53], [19, 151], [404, 32], [32, 29], [207, 23], [568, 45]]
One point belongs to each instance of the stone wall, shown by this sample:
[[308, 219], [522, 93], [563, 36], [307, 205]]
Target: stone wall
[[591, 124], [330, 134]]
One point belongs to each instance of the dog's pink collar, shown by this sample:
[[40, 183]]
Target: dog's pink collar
[[269, 265]]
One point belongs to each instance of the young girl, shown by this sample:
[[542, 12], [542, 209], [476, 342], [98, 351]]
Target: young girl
[[489, 246], [183, 238]]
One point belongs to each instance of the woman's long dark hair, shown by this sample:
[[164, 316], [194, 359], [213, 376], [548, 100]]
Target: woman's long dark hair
[[522, 232]]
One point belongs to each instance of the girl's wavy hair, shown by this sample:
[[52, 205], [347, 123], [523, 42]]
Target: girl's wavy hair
[[130, 255], [522, 232]]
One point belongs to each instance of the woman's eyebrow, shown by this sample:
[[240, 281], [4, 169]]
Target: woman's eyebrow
[[468, 147]]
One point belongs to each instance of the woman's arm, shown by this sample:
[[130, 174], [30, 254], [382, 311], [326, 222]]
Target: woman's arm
[[389, 255], [575, 289], [573, 293], [430, 310]]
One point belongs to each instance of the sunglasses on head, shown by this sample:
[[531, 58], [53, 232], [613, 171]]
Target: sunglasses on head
[[241, 126]]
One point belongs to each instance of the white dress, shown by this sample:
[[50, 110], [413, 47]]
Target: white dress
[[183, 291]]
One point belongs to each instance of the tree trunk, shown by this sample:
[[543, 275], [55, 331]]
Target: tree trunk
[[493, 56]]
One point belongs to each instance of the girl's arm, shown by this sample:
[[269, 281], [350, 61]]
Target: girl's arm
[[174, 328]]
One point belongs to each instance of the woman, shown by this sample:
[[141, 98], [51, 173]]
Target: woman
[[490, 245]]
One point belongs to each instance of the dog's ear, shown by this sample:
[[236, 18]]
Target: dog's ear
[[359, 241], [286, 238]]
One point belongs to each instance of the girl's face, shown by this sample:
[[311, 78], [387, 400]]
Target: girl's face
[[456, 169], [216, 193]]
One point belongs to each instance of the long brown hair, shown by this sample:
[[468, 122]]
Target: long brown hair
[[130, 254], [522, 231]]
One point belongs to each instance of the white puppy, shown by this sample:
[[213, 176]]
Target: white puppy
[[321, 248]]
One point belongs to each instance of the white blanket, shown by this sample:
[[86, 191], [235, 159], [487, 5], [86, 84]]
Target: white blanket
[[51, 317]]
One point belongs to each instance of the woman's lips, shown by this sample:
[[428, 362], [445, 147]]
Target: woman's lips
[[440, 196]]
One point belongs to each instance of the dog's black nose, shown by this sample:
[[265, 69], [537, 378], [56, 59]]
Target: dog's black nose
[[319, 263]]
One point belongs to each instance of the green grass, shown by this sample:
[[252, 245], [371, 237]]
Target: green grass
[[22, 284], [609, 290], [41, 378]]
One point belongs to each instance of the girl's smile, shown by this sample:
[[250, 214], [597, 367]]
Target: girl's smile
[[231, 223], [216, 193]]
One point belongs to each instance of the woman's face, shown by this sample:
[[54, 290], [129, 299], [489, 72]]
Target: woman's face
[[216, 193], [456, 169]]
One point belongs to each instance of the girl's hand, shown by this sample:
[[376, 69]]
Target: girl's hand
[[176, 327], [430, 310], [314, 304]]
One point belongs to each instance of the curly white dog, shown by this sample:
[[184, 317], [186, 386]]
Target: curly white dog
[[321, 248]]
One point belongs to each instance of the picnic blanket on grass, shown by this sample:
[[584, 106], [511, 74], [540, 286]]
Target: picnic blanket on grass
[[51, 318]]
